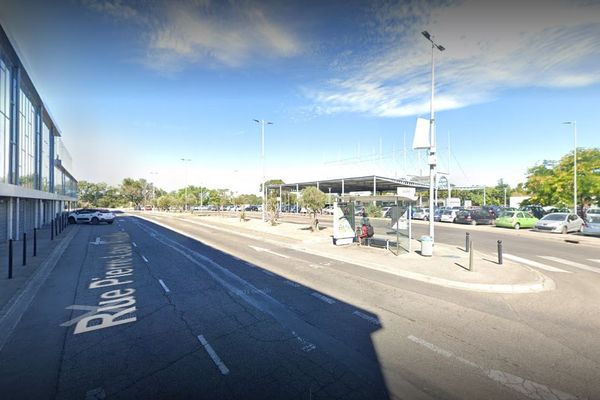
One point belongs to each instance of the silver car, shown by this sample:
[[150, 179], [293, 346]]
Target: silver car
[[559, 223], [592, 225]]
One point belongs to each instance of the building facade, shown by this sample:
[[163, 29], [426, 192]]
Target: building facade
[[36, 182]]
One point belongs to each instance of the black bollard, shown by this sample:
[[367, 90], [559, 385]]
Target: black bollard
[[52, 229], [10, 259], [24, 248], [34, 242], [467, 241], [500, 252]]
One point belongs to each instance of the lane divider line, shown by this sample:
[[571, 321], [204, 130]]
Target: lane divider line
[[369, 318], [145, 259], [134, 245], [532, 263], [571, 263], [324, 298], [213, 354], [594, 260], [163, 285], [262, 250]]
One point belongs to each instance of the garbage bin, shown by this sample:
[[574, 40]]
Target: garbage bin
[[426, 246]]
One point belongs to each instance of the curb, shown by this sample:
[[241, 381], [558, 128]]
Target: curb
[[543, 283], [13, 310]]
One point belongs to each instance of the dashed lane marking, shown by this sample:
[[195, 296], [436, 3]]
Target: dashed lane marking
[[145, 259], [571, 263], [532, 263], [213, 354], [261, 250], [594, 260], [134, 245], [326, 299], [530, 389], [369, 318], [163, 285]]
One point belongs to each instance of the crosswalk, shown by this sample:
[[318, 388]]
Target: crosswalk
[[555, 260]]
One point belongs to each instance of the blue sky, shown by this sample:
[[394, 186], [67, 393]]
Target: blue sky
[[136, 86]]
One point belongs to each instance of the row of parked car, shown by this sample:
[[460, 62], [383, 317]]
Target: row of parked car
[[554, 220]]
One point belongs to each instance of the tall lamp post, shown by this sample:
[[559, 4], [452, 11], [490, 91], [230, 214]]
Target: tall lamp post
[[185, 161], [262, 123], [574, 124], [432, 156]]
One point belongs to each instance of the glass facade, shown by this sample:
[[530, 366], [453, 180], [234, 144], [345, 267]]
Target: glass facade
[[4, 122], [27, 172], [46, 156]]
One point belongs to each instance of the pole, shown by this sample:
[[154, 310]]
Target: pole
[[471, 257], [575, 168], [10, 258], [500, 252], [24, 248], [52, 229], [262, 157], [34, 242], [432, 144], [467, 241]]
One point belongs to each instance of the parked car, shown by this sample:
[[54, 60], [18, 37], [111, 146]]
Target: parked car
[[536, 211], [591, 226], [327, 210], [474, 217], [92, 216], [448, 216], [437, 215], [494, 211], [516, 220], [251, 208], [558, 210], [593, 210], [559, 222], [421, 213]]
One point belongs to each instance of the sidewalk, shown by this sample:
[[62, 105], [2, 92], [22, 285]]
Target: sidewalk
[[448, 267], [22, 274]]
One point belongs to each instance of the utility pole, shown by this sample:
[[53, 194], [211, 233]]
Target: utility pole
[[262, 123], [432, 147]]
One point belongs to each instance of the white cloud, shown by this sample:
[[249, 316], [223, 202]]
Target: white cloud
[[491, 46], [180, 33]]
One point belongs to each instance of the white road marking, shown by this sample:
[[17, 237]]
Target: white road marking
[[213, 354], [594, 260], [306, 345], [292, 284], [532, 263], [369, 318], [326, 299], [163, 285], [531, 389], [145, 259], [98, 241], [134, 245], [261, 250], [571, 263]]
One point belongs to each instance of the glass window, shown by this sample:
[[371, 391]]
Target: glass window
[[4, 122], [45, 158], [26, 142]]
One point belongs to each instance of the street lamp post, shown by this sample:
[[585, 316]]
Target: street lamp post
[[432, 150], [574, 124], [262, 123], [185, 161]]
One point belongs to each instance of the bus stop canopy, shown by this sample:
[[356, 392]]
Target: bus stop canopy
[[370, 183]]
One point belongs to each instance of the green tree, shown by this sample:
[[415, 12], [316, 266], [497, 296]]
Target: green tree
[[165, 201], [553, 184], [313, 200], [134, 191]]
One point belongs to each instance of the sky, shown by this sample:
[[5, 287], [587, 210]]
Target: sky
[[135, 86]]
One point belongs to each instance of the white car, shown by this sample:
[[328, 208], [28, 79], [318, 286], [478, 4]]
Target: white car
[[328, 210], [591, 226], [91, 215], [421, 213], [560, 223], [448, 215]]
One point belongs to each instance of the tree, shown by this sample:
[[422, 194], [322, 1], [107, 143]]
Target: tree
[[313, 200], [552, 184], [165, 201], [134, 191]]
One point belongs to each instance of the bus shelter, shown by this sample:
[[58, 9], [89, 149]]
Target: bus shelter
[[392, 231]]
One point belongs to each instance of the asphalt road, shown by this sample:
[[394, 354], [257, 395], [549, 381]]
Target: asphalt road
[[207, 314]]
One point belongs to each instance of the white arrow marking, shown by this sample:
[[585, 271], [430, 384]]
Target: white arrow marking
[[260, 249]]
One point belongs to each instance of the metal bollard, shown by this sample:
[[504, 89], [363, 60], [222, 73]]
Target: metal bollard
[[24, 248], [52, 229], [467, 241], [10, 259], [500, 252], [471, 266], [34, 242]]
